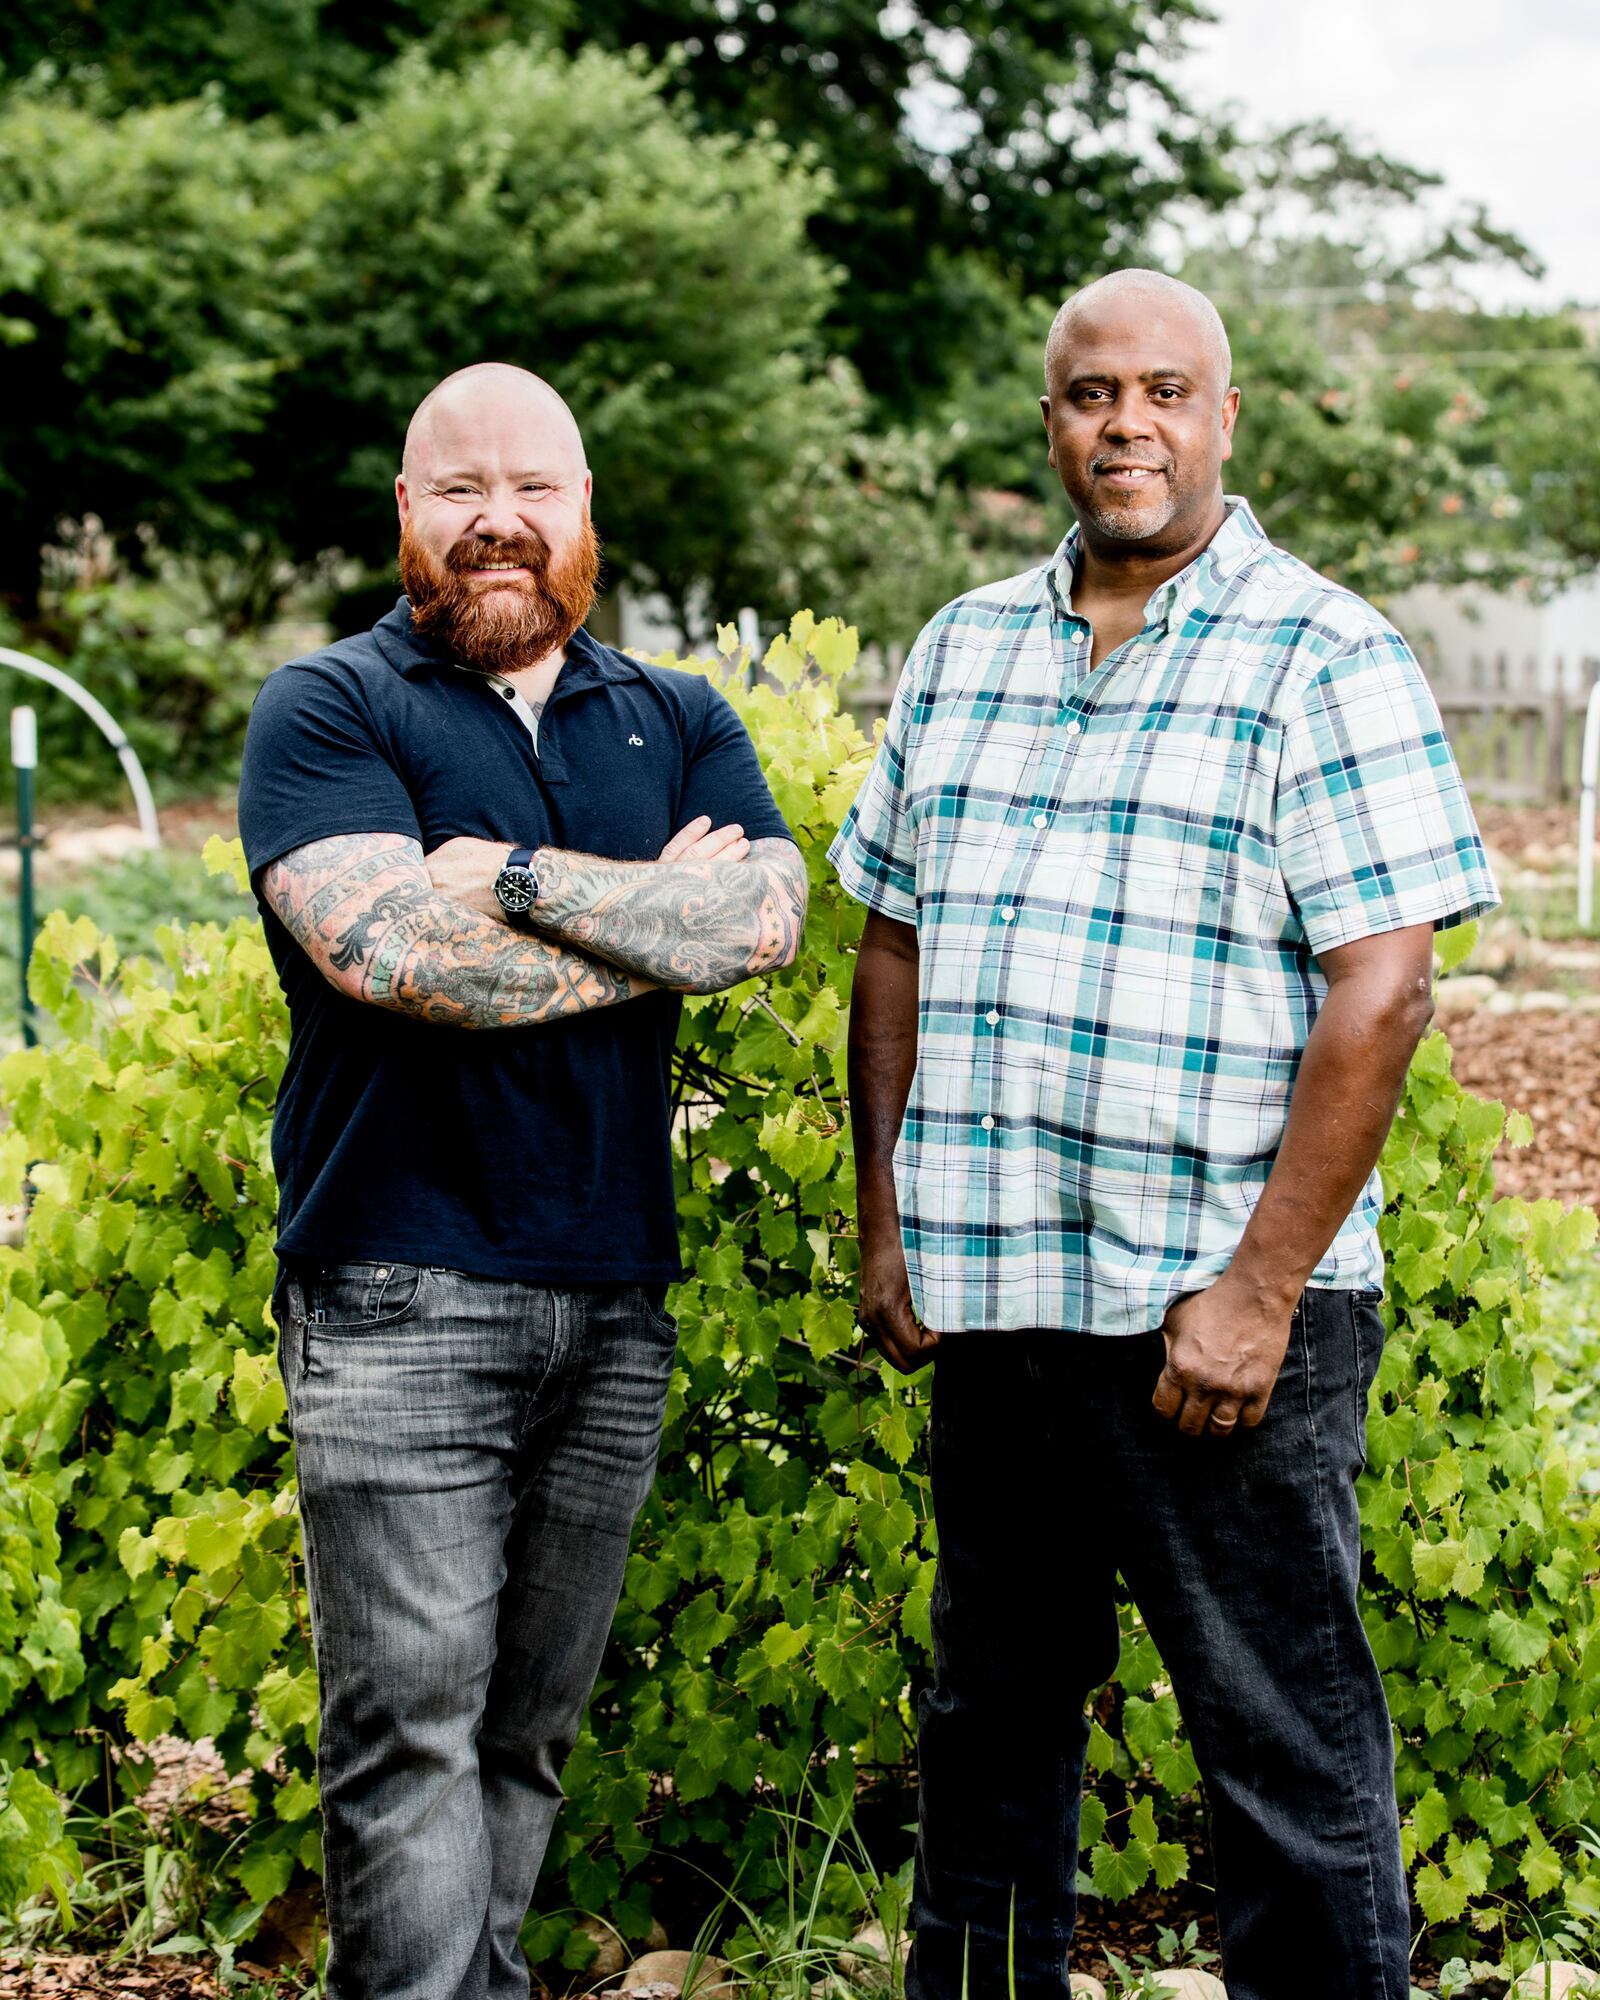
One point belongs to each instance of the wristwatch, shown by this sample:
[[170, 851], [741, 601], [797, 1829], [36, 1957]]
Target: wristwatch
[[516, 886]]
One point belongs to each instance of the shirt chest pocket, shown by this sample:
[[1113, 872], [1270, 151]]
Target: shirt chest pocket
[[1178, 799]]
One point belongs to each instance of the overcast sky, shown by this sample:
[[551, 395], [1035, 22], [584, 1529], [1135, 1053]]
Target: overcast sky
[[1500, 96]]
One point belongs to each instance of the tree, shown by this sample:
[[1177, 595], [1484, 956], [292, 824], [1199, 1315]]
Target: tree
[[295, 59], [143, 284], [966, 142], [557, 213], [218, 332]]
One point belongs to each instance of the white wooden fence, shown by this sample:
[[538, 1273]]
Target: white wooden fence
[[1516, 725]]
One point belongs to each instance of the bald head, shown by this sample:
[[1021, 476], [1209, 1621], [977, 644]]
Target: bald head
[[1140, 414], [489, 397], [1165, 308], [493, 496]]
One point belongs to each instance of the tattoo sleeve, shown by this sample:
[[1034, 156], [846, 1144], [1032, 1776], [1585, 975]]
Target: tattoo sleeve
[[694, 926], [363, 910]]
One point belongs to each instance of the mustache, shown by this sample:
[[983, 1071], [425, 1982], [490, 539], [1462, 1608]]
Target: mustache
[[474, 552], [1107, 460]]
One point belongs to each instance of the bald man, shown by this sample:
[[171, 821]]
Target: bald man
[[1153, 850], [490, 855]]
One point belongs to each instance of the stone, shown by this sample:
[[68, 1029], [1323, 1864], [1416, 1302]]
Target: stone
[[1573, 957], [610, 1954], [866, 1962], [1555, 1980], [1085, 1986], [1191, 1984], [670, 1970], [1464, 991], [1544, 1002]]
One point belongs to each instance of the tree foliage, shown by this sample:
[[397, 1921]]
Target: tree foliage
[[774, 1624], [296, 60], [216, 334], [962, 141], [143, 276]]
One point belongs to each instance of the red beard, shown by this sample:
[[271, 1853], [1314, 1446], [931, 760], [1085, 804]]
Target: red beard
[[497, 628]]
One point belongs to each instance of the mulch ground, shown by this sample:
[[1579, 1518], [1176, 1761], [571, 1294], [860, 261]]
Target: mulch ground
[[1547, 1064], [88, 1977]]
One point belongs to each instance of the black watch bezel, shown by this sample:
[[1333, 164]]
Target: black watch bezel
[[516, 887]]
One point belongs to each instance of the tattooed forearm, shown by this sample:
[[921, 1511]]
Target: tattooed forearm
[[362, 908], [693, 926]]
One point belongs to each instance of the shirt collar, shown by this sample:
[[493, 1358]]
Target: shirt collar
[[1236, 542], [587, 662]]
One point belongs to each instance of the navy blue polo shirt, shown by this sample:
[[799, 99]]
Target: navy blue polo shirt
[[543, 1152]]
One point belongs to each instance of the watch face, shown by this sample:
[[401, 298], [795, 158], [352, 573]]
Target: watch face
[[515, 889]]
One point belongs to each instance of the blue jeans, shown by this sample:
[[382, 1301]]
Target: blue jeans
[[472, 1453], [1052, 1474]]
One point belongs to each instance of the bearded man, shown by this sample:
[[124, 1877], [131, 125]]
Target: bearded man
[[490, 854], [1154, 849]]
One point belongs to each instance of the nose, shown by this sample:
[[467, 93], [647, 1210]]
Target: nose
[[1129, 417], [498, 519]]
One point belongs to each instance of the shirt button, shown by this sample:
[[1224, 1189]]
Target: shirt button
[[1074, 728], [988, 1124], [992, 1017], [1041, 819], [1007, 914]]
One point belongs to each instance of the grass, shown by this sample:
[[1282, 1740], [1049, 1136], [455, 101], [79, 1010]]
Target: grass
[[144, 1891]]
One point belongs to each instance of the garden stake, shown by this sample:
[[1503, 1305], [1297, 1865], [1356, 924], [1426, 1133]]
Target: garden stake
[[24, 757]]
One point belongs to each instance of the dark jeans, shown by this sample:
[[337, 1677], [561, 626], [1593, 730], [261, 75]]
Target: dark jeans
[[1052, 1473], [472, 1453]]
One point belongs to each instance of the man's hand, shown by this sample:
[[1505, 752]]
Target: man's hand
[[464, 870], [701, 841], [1224, 1351], [886, 1316]]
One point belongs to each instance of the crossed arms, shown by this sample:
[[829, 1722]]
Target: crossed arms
[[425, 937]]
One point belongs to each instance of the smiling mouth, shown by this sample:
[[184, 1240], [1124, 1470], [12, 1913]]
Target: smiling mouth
[[499, 571], [1131, 475]]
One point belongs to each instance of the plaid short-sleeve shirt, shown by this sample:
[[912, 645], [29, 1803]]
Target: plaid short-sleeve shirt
[[1121, 880]]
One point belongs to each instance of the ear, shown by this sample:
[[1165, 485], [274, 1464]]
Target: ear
[[1044, 411], [402, 499], [1230, 416]]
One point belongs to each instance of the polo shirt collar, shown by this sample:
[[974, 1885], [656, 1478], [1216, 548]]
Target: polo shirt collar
[[1237, 542], [587, 664]]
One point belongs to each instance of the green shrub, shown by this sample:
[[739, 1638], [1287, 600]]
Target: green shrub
[[774, 1622], [154, 655]]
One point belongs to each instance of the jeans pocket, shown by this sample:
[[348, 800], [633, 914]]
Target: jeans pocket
[[653, 1302], [288, 1308], [1368, 1335], [361, 1296]]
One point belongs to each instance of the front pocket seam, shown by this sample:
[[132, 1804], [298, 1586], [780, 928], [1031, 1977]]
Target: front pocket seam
[[326, 1325]]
